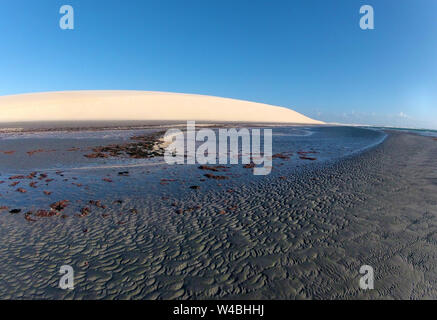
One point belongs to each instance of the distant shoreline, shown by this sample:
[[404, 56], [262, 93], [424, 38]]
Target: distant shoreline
[[56, 126]]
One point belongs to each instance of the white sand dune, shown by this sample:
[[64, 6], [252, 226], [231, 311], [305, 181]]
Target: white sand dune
[[139, 105]]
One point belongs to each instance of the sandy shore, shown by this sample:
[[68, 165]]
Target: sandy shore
[[300, 236]]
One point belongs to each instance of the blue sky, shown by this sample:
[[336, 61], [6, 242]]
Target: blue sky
[[309, 55]]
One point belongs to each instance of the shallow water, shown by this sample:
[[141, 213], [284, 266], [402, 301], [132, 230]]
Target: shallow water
[[76, 177]]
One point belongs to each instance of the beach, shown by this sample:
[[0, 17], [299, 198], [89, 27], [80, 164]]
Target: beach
[[169, 232]]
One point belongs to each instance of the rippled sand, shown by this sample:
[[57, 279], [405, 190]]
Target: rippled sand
[[292, 236]]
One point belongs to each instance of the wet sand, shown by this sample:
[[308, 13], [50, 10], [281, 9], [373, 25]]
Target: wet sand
[[301, 236]]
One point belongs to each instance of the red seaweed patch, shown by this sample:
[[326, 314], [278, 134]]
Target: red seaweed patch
[[60, 205], [282, 156], [17, 177], [213, 168], [97, 203], [28, 216], [32, 152], [8, 152], [146, 146], [212, 176], [307, 158], [84, 212], [304, 155], [42, 176], [45, 213]]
